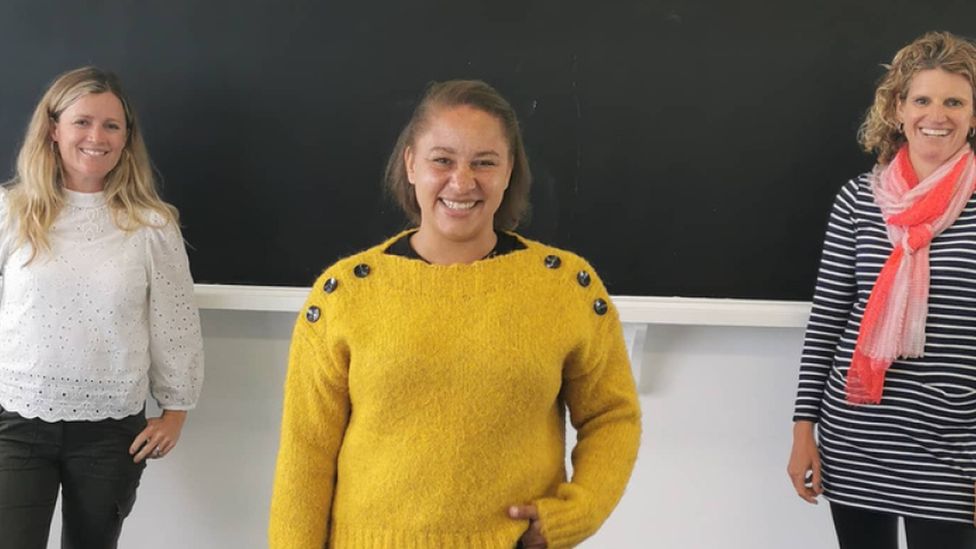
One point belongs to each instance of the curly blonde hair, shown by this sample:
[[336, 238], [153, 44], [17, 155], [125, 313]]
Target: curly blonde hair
[[880, 133], [36, 192]]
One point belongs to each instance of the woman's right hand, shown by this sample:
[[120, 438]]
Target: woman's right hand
[[804, 466]]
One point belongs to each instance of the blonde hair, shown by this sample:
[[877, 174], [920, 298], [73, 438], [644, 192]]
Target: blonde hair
[[481, 96], [880, 133], [36, 192]]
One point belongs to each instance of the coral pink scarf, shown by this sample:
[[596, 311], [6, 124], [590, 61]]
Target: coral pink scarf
[[893, 325]]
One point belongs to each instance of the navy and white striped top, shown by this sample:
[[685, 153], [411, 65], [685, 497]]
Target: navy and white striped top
[[914, 453]]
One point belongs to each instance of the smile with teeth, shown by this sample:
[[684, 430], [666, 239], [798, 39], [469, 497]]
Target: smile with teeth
[[933, 132], [459, 205], [93, 152]]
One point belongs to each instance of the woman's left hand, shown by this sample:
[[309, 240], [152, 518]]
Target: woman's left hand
[[159, 436], [532, 538]]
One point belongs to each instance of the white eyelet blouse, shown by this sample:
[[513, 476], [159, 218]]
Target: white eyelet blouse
[[90, 330]]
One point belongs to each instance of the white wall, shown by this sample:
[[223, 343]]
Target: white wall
[[711, 470]]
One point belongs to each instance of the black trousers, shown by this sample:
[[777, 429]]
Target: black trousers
[[863, 529], [88, 460]]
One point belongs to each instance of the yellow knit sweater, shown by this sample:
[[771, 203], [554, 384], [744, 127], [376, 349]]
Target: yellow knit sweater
[[422, 401]]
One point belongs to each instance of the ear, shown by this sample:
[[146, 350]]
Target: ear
[[54, 133], [900, 111], [408, 158]]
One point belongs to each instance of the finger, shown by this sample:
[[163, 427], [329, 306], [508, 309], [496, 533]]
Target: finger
[[810, 489], [146, 450], [139, 441], [533, 538], [816, 481], [158, 449], [808, 495], [165, 446], [799, 484], [523, 512], [160, 440]]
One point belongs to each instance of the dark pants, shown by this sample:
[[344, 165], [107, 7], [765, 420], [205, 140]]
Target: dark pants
[[863, 529], [89, 460]]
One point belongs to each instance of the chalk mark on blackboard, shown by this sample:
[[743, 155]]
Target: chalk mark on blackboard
[[579, 116]]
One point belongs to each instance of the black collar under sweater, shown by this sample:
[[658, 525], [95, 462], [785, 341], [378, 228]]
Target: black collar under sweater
[[506, 244]]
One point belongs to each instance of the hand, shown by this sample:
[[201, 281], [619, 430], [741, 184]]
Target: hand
[[159, 436], [532, 538], [804, 466]]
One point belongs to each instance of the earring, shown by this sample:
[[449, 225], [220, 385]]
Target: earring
[[972, 132], [901, 127]]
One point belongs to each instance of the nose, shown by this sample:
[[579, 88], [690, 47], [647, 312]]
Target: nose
[[939, 112], [463, 177], [95, 133]]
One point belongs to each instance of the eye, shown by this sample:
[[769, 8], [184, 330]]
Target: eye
[[921, 101], [113, 126], [442, 160], [80, 122], [953, 102], [485, 163]]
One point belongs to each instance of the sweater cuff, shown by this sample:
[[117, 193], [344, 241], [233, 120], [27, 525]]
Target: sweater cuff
[[566, 520]]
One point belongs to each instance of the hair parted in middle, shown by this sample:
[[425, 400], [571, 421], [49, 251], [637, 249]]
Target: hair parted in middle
[[478, 95], [36, 195], [880, 133]]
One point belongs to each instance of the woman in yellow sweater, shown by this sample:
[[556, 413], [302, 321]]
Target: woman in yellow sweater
[[429, 376]]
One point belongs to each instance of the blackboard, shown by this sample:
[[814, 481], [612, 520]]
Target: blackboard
[[685, 148]]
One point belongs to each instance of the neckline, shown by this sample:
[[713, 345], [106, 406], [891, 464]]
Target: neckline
[[84, 200], [400, 246]]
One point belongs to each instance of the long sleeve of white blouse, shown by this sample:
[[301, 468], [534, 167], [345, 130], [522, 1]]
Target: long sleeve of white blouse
[[175, 342]]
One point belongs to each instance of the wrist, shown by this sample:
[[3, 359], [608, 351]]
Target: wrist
[[178, 416], [803, 427]]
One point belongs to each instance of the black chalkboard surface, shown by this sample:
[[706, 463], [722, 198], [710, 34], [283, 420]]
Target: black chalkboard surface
[[686, 148]]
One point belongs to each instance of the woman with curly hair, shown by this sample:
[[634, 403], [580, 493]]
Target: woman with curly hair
[[888, 373]]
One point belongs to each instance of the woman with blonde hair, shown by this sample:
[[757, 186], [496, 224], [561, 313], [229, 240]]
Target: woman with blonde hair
[[429, 376], [888, 373], [96, 314]]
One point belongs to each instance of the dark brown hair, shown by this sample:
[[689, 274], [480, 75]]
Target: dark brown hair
[[478, 95]]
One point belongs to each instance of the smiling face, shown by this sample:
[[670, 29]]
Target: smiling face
[[936, 114], [90, 135], [459, 165]]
